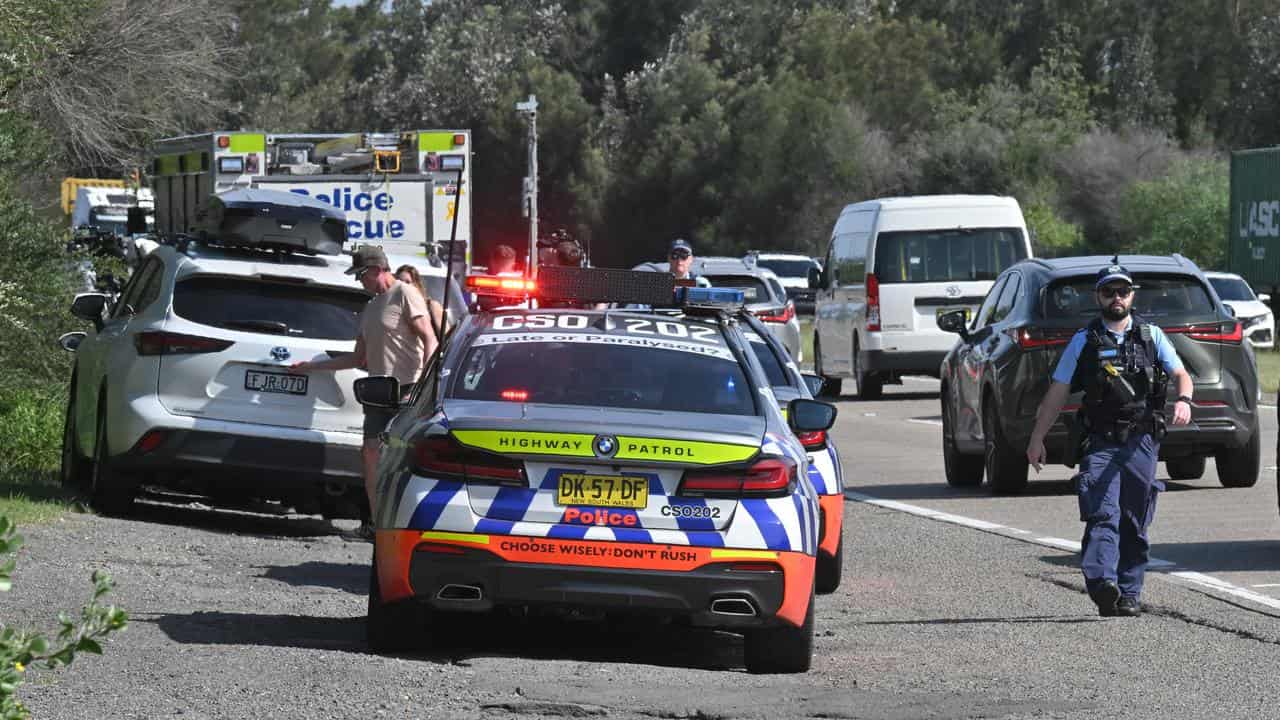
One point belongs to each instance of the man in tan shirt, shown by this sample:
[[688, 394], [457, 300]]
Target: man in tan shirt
[[396, 337]]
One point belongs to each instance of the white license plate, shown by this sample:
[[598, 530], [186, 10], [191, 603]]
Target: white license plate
[[284, 383]]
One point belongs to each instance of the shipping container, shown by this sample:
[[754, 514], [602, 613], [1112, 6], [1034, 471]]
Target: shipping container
[[1253, 236]]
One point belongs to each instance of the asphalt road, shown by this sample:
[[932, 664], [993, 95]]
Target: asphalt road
[[243, 614]]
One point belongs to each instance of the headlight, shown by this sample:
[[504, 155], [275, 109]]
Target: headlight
[[1255, 320]]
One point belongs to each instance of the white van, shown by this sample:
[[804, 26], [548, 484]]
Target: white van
[[893, 266]]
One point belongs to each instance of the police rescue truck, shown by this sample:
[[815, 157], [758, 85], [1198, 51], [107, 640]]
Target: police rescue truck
[[397, 189]]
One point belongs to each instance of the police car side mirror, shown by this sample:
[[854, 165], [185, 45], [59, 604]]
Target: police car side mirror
[[814, 383], [805, 416], [380, 391], [90, 306], [954, 322]]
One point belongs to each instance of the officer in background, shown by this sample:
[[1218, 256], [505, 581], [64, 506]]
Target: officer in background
[[1123, 365], [680, 260]]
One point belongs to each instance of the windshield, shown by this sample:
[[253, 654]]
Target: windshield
[[787, 268], [921, 256], [270, 307], [1165, 300], [591, 374], [753, 288], [1233, 289]]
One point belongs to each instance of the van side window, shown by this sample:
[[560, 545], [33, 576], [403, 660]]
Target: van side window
[[849, 261], [989, 304], [1008, 298]]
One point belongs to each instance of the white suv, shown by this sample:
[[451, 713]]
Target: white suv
[[183, 384]]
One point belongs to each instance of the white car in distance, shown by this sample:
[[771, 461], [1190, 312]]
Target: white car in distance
[[1251, 310]]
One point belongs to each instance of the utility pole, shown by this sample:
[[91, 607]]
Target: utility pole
[[529, 109]]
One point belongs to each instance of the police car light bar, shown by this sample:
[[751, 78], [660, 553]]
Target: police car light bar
[[728, 298], [605, 285], [498, 285]]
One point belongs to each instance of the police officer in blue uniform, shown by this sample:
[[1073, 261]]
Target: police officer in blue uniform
[[1124, 366]]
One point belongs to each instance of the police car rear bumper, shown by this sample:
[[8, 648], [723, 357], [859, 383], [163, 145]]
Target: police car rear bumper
[[475, 580]]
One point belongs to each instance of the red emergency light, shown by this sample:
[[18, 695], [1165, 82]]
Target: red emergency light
[[499, 285], [224, 142]]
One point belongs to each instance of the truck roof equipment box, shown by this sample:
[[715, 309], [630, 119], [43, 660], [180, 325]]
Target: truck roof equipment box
[[274, 220]]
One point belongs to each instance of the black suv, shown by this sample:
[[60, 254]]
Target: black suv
[[996, 374]]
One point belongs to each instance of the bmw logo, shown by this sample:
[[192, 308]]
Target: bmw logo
[[605, 445], [279, 353]]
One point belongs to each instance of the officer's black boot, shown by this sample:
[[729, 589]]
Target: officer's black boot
[[1105, 594], [1128, 606]]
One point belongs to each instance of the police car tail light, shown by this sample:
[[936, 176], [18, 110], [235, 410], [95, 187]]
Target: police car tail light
[[816, 440], [784, 315], [1230, 332], [167, 343], [873, 303], [498, 285], [771, 477], [442, 456], [1031, 338]]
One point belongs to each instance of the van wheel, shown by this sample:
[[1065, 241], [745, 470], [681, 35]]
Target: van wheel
[[830, 386], [827, 576], [870, 385], [961, 470], [75, 470], [782, 649], [1186, 468], [1006, 467], [397, 627], [110, 491], [1238, 467]]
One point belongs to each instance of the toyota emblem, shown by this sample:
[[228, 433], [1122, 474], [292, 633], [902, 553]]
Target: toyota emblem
[[605, 445], [953, 291], [280, 353]]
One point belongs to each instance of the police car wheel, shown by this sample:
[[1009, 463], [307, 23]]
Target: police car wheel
[[394, 627], [828, 574], [782, 649], [1006, 467], [74, 472], [1238, 467], [110, 492], [1186, 468], [961, 470]]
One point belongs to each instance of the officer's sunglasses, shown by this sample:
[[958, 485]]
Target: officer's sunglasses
[[679, 255], [1110, 292], [362, 272]]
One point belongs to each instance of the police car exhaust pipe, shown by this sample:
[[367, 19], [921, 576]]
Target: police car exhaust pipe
[[738, 607], [459, 592]]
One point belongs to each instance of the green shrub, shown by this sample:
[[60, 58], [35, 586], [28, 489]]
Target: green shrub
[[21, 649], [31, 433], [1054, 237], [1183, 212]]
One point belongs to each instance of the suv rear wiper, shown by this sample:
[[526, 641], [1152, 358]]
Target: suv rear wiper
[[274, 327]]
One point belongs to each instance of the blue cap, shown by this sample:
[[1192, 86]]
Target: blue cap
[[1113, 272], [680, 244]]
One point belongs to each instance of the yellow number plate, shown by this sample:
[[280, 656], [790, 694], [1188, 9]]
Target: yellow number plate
[[623, 491]]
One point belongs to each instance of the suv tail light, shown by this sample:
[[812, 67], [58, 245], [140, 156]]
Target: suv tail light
[[816, 440], [770, 477], [167, 343], [787, 312], [1031, 338], [873, 303], [441, 455], [1230, 332]]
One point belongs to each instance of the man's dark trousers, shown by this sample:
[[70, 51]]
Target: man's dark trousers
[[1117, 489]]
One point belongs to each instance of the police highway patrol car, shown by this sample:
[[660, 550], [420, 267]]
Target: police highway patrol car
[[600, 459]]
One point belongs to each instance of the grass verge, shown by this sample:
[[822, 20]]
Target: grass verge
[[1268, 370], [30, 455]]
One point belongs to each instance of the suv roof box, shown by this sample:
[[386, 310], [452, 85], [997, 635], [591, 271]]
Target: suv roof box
[[274, 220]]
